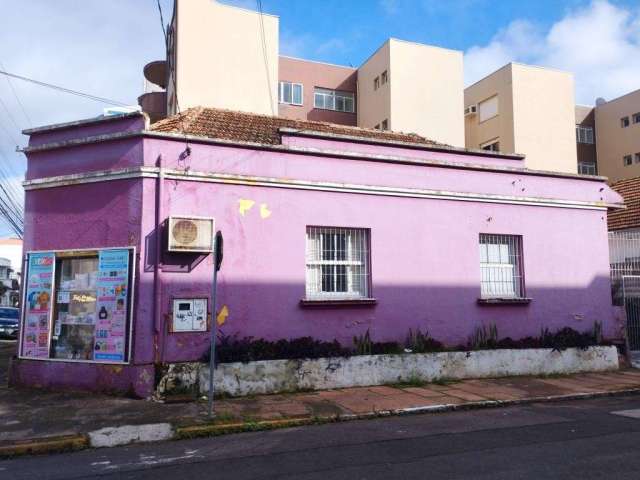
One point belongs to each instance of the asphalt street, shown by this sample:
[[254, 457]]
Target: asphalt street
[[566, 440]]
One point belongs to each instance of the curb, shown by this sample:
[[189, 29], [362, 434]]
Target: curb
[[136, 433], [36, 446]]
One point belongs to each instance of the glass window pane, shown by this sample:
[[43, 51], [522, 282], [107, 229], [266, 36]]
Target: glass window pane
[[286, 92], [297, 94]]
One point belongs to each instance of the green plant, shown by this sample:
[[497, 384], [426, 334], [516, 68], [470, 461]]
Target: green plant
[[414, 380], [362, 344], [483, 338], [419, 342], [442, 381]]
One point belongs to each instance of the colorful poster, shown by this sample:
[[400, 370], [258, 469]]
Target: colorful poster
[[112, 290], [37, 308]]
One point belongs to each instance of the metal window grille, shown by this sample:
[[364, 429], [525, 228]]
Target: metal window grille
[[501, 266], [624, 260], [337, 263]]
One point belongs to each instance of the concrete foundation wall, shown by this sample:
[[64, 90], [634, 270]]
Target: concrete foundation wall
[[274, 376]]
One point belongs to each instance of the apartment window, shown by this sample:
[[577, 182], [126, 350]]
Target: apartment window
[[384, 78], [334, 100], [587, 168], [492, 146], [385, 124], [584, 134], [377, 127], [624, 122], [627, 160], [636, 158], [337, 263], [636, 117], [376, 83], [501, 266], [290, 93], [488, 108]]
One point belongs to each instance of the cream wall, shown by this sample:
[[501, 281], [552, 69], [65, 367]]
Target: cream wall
[[614, 142], [374, 106], [536, 116], [220, 57], [498, 128], [544, 118], [427, 91]]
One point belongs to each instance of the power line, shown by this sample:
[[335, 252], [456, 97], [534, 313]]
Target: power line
[[15, 94], [65, 90], [265, 56]]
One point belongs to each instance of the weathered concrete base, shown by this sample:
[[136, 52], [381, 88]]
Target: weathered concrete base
[[123, 435], [273, 376]]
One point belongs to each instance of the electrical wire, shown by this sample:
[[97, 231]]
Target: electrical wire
[[265, 56], [15, 94], [65, 90]]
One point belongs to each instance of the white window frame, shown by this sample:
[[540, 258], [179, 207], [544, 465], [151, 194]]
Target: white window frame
[[488, 108], [491, 146], [584, 134], [587, 168], [337, 273], [501, 271], [331, 100], [291, 101]]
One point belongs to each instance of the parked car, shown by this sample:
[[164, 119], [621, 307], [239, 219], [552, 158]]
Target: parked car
[[9, 317]]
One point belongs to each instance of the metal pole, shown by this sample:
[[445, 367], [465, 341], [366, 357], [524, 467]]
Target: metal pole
[[214, 330]]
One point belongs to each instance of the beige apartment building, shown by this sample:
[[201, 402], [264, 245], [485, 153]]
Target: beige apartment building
[[524, 109], [228, 57], [413, 88], [617, 134]]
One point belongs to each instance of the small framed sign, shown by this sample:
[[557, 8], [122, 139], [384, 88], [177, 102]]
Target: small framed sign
[[189, 315]]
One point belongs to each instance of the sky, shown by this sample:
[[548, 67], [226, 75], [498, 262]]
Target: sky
[[100, 47]]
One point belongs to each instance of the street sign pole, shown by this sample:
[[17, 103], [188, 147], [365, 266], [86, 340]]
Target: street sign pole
[[214, 320]]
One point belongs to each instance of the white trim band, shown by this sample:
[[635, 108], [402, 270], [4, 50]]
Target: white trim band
[[235, 179]]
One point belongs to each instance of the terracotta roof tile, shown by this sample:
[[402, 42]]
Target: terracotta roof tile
[[250, 127], [629, 217]]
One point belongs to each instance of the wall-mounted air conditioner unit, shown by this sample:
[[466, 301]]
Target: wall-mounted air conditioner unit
[[191, 234], [470, 110]]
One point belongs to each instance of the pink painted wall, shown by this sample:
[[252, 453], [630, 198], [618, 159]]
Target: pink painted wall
[[311, 75], [424, 252]]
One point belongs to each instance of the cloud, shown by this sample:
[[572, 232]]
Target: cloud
[[390, 7], [599, 44], [94, 47]]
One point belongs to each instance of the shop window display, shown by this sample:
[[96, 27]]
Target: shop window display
[[83, 314]]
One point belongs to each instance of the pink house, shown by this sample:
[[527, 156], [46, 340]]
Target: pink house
[[329, 231]]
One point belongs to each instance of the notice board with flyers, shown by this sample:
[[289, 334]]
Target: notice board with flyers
[[77, 306]]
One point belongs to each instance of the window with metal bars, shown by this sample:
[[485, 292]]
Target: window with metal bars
[[337, 263], [501, 266]]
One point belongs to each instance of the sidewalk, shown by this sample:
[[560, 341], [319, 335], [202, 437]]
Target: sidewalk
[[36, 421]]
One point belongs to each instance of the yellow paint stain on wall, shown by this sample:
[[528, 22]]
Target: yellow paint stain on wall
[[264, 211], [222, 315], [245, 205]]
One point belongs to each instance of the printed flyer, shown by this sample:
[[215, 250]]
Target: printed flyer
[[37, 309], [111, 309]]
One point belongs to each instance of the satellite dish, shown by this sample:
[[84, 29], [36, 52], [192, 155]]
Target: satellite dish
[[600, 101]]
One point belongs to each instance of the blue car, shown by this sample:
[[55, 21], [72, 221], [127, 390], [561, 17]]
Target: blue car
[[9, 317]]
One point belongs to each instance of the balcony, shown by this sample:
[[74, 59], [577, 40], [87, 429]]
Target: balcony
[[154, 99], [154, 104], [156, 73]]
